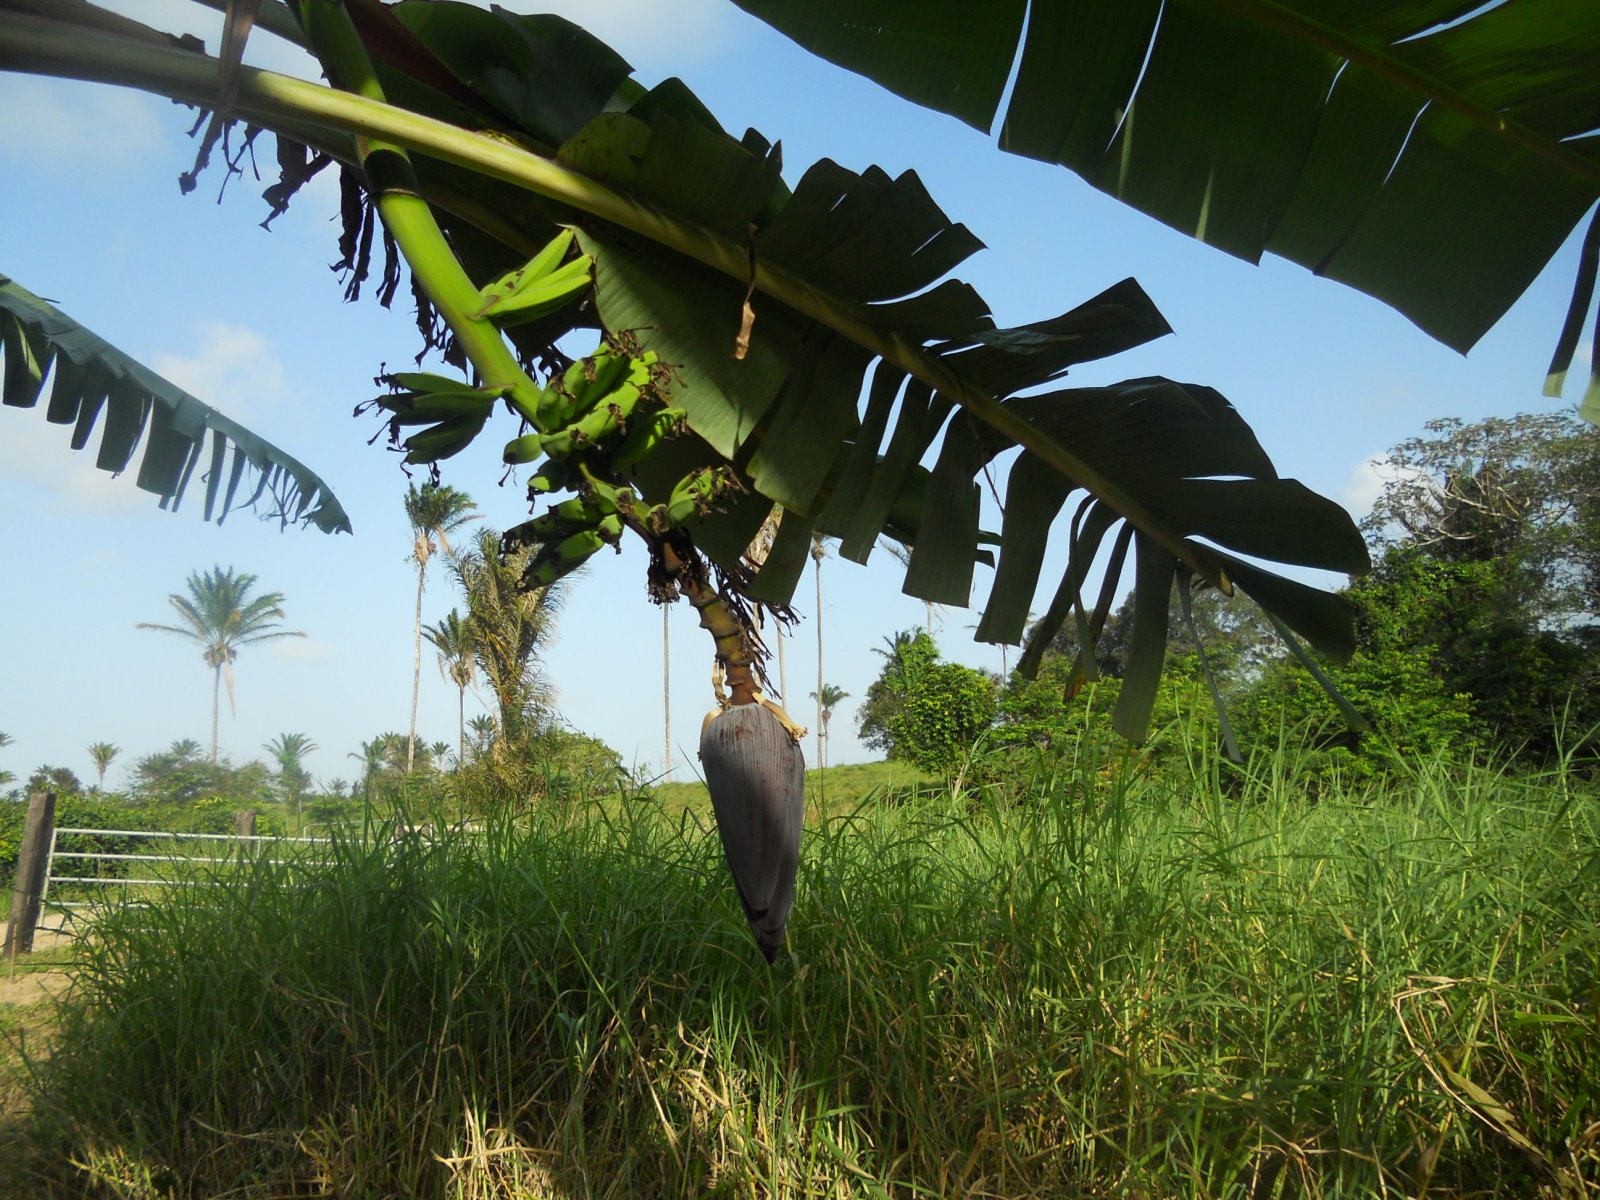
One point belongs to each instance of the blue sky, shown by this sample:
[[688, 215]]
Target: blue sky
[[253, 323]]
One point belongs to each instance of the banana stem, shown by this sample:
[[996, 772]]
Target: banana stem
[[407, 217], [734, 651]]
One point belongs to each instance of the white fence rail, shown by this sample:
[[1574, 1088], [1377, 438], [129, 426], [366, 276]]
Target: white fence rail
[[42, 856], [58, 855]]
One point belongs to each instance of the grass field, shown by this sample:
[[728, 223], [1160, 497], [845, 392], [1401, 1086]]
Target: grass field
[[1157, 984]]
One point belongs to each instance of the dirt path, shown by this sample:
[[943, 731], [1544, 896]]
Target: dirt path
[[30, 987], [21, 986]]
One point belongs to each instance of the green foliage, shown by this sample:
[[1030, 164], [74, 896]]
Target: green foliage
[[178, 776], [1249, 139], [1474, 632], [1251, 995], [1395, 678], [34, 335], [535, 767], [60, 780], [1491, 571], [926, 711]]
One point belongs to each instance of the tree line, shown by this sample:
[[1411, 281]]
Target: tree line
[[1477, 629]]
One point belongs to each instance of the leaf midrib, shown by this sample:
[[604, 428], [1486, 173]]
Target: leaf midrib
[[1427, 87]]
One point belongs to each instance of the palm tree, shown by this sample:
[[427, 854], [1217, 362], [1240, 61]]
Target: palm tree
[[452, 638], [902, 555], [102, 753], [827, 699], [506, 624], [483, 731], [381, 756], [666, 694], [290, 749], [434, 512], [219, 614], [5, 740], [819, 551]]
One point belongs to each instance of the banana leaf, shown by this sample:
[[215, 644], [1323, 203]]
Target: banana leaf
[[865, 362], [83, 378], [1432, 153]]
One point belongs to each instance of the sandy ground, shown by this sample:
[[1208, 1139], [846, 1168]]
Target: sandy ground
[[23, 987]]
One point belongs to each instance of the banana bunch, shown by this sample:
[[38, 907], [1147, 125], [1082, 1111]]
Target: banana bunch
[[453, 410], [538, 288], [604, 413], [571, 531], [593, 407]]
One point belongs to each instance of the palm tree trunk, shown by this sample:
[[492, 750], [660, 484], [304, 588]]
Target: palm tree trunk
[[666, 695], [416, 674], [821, 749], [461, 727], [216, 700]]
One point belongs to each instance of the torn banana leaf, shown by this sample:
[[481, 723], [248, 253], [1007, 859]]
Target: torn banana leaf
[[148, 422]]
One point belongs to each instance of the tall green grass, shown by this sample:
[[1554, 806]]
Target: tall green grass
[[1184, 982]]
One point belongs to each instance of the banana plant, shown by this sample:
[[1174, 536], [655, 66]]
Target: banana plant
[[756, 343], [473, 139], [1432, 153]]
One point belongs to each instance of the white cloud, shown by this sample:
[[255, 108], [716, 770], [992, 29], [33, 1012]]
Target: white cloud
[[1362, 489], [52, 123], [39, 456], [234, 369], [1367, 481]]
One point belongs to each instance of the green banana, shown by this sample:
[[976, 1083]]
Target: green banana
[[646, 433], [424, 409], [426, 383], [603, 423], [580, 388], [530, 282], [568, 517], [608, 498], [563, 558], [443, 440], [549, 476], [522, 297], [524, 449], [694, 494]]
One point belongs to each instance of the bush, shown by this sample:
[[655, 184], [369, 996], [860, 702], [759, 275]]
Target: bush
[[925, 711]]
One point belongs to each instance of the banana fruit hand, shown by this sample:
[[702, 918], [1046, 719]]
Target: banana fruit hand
[[453, 410], [540, 287]]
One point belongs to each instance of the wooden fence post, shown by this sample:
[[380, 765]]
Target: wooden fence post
[[33, 862], [244, 823]]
